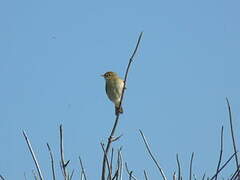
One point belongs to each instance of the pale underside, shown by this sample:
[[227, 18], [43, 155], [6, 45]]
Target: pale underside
[[114, 89]]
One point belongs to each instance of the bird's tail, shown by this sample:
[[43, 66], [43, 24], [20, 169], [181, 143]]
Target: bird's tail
[[118, 110]]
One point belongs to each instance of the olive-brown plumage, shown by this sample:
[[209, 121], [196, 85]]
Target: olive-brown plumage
[[114, 87]]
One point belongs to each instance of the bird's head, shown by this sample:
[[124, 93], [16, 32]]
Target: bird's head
[[110, 75]]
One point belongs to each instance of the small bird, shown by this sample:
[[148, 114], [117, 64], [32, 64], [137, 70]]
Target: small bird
[[114, 87]]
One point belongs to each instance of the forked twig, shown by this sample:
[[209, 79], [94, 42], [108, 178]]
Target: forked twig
[[121, 164], [117, 115], [220, 155], [108, 163], [33, 156], [82, 169], [191, 161], [153, 158], [232, 132], [235, 174], [34, 175], [63, 164], [71, 176], [174, 176], [52, 162], [129, 172], [223, 166], [130, 175], [2, 178]]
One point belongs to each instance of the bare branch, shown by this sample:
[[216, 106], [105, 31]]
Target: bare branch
[[232, 132], [235, 175], [52, 162], [108, 164], [82, 169], [71, 175], [194, 176], [223, 166], [145, 175], [2, 178], [111, 158], [117, 115], [179, 168], [153, 158], [191, 161], [130, 175], [34, 175], [174, 176], [220, 155], [129, 172], [121, 164], [63, 164], [33, 156], [25, 177], [203, 178]]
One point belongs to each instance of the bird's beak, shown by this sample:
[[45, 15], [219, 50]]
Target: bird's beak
[[102, 75]]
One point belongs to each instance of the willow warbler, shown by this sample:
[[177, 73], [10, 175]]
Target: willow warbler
[[114, 87]]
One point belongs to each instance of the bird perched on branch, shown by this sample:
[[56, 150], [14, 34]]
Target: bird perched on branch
[[114, 87]]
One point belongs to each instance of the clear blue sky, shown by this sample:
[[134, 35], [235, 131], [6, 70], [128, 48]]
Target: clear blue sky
[[52, 56]]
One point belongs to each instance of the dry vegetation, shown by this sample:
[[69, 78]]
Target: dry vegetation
[[115, 170]]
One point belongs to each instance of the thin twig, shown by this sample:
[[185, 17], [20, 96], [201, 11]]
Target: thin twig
[[71, 175], [108, 164], [174, 176], [81, 176], [82, 169], [153, 158], [52, 161], [220, 155], [179, 168], [117, 115], [25, 177], [223, 166], [191, 161], [2, 178], [203, 178], [195, 178], [63, 164], [145, 175], [130, 175], [33, 155], [235, 174], [129, 172], [117, 171], [34, 175], [121, 164], [111, 158], [232, 132]]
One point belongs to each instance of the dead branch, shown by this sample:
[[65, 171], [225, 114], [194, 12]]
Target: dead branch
[[63, 164], [82, 169], [129, 172], [191, 161], [232, 132], [117, 115], [52, 161], [223, 166], [33, 155], [179, 168], [145, 175], [153, 158], [220, 155]]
